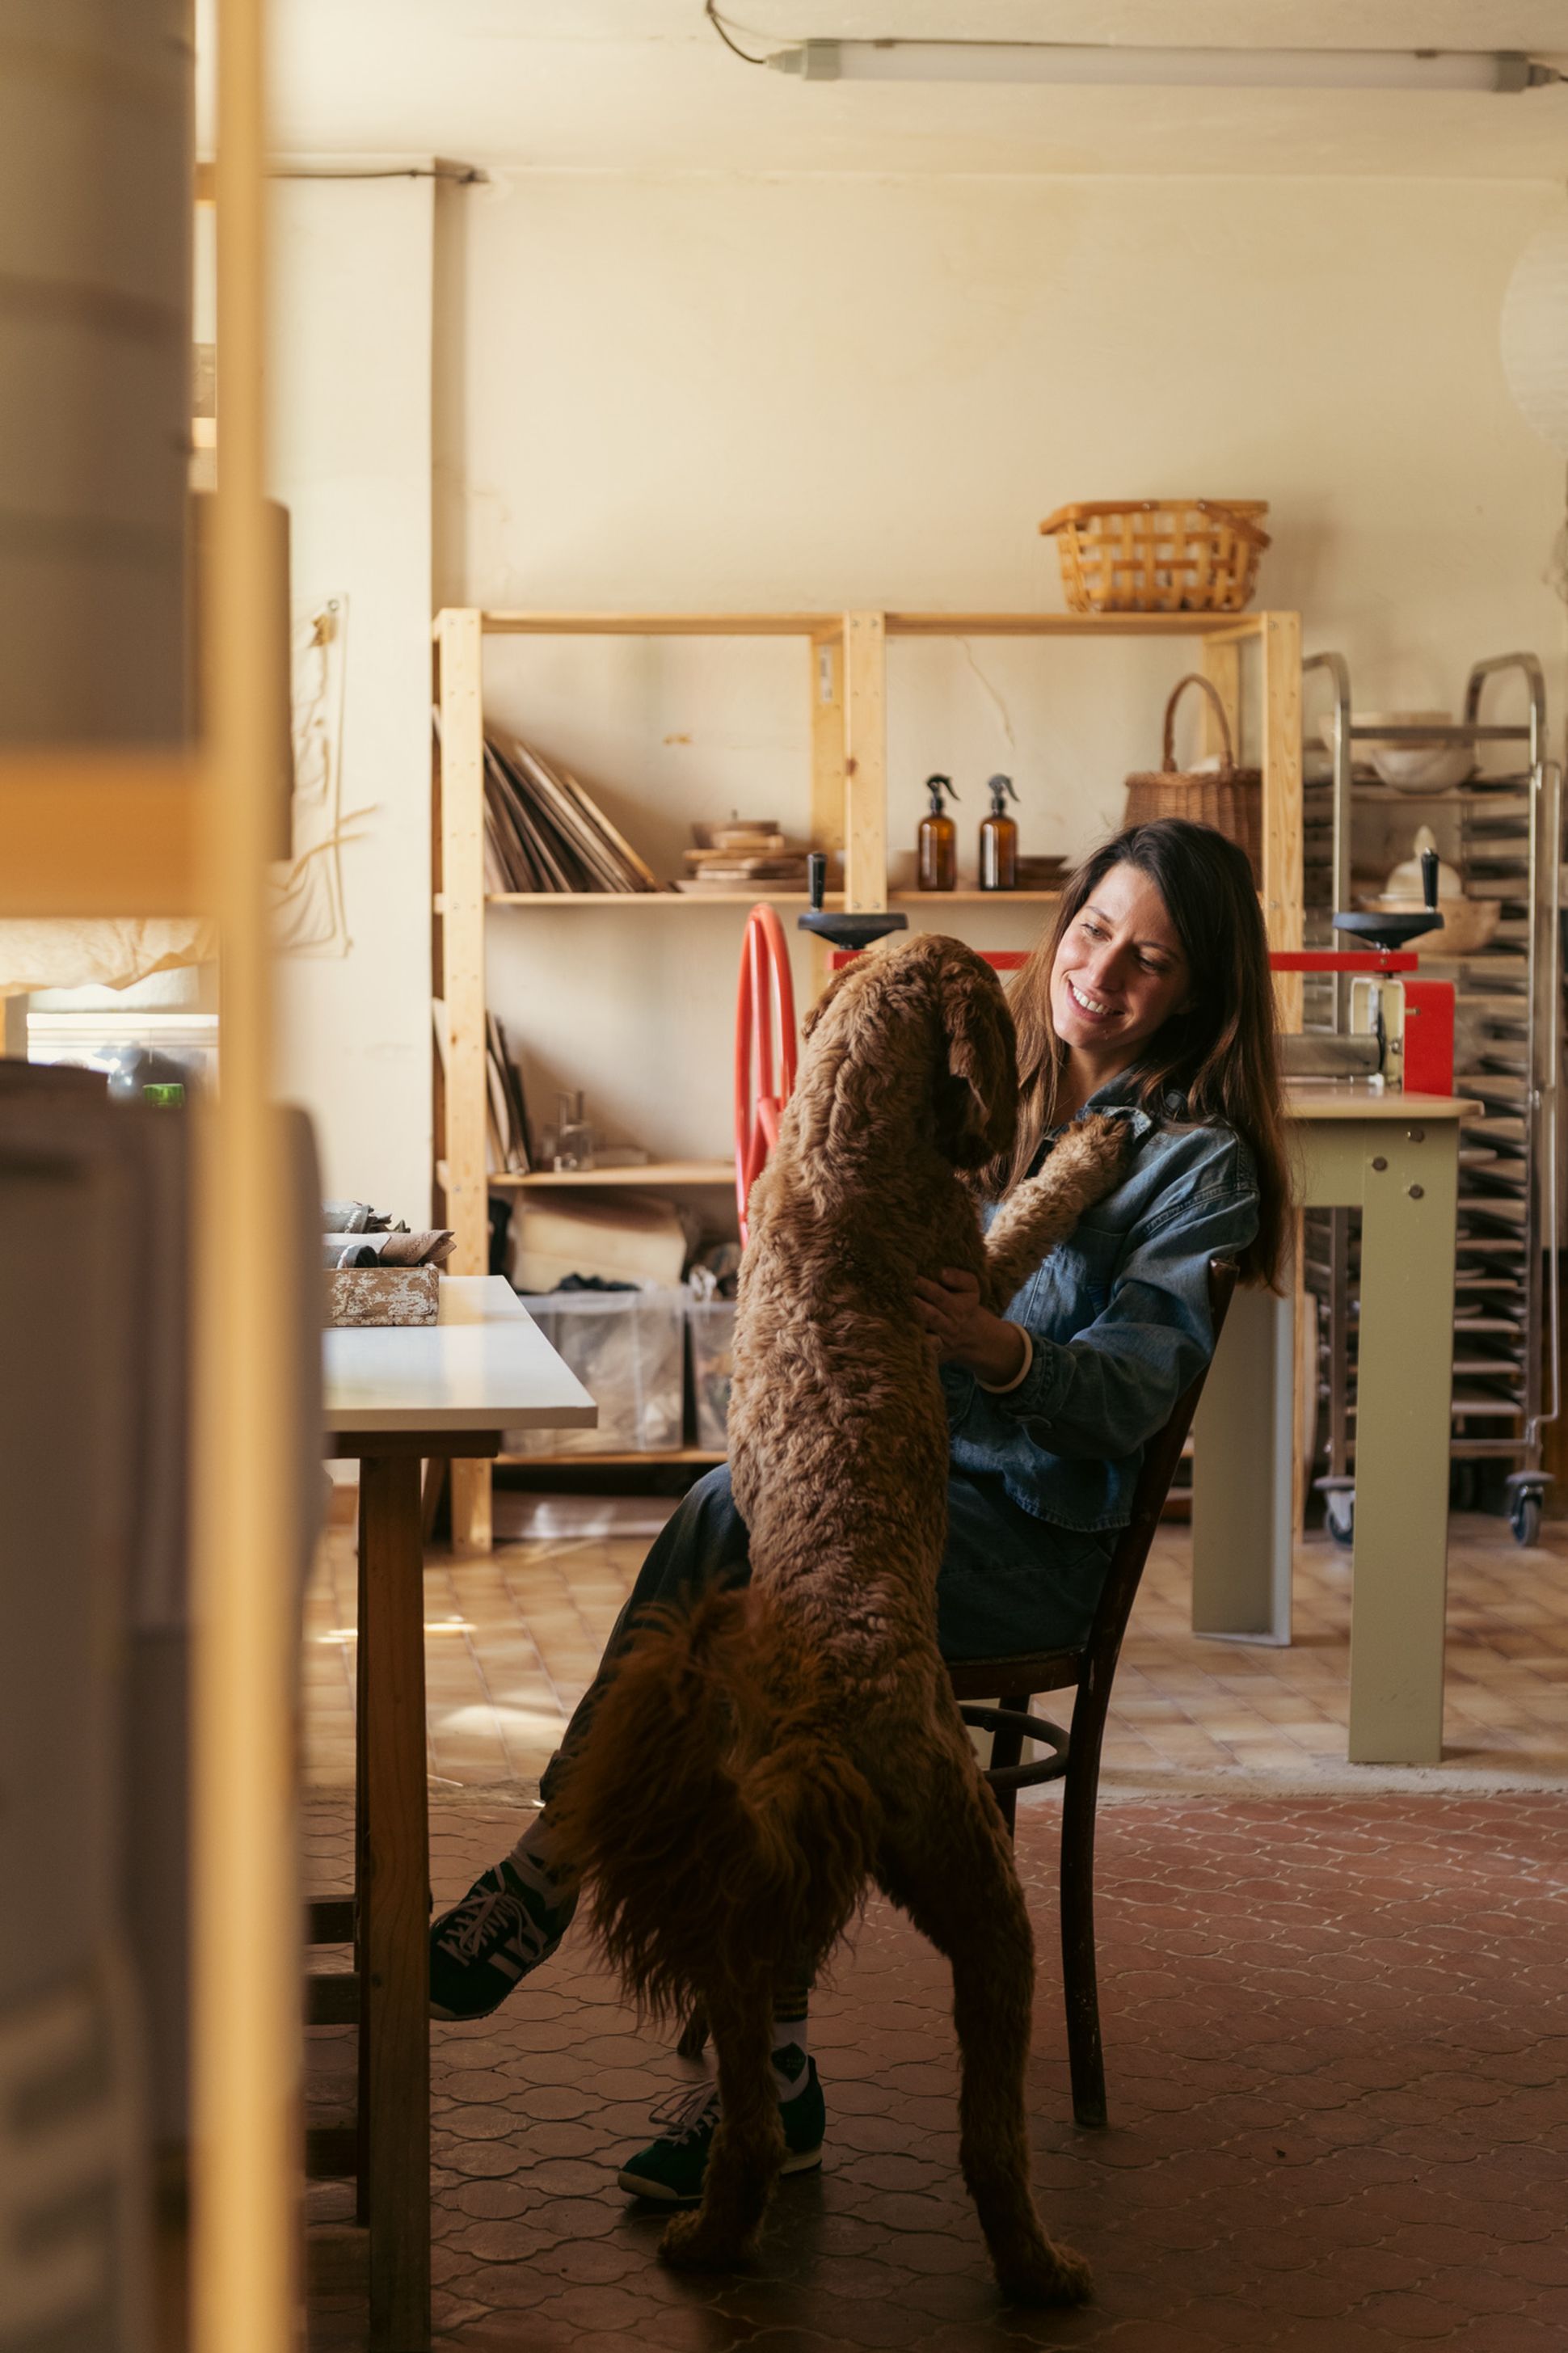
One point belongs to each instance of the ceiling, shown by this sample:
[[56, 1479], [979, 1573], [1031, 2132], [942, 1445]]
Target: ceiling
[[646, 85]]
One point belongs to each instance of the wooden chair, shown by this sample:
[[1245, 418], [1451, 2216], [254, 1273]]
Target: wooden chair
[[1075, 1757]]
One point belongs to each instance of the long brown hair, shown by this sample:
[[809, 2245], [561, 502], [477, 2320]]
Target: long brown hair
[[1219, 1053]]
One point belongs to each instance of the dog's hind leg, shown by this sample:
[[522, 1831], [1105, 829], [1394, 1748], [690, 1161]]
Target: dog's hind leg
[[748, 2144], [949, 1865]]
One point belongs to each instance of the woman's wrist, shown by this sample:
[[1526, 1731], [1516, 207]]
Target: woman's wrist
[[1001, 1360]]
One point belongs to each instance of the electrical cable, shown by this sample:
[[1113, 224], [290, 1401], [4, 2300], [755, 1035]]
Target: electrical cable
[[712, 12]]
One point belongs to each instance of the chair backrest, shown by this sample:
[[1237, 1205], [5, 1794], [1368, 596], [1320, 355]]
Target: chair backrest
[[1159, 1461]]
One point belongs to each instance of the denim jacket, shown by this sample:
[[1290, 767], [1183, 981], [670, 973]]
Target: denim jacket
[[1118, 1318]]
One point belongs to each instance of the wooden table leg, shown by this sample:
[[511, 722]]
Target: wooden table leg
[[1242, 1483], [1405, 1377], [393, 1868]]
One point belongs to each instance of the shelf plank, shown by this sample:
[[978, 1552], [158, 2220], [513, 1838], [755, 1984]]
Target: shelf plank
[[650, 1172], [100, 831], [973, 898], [659, 625], [648, 898], [1074, 625], [600, 1462]]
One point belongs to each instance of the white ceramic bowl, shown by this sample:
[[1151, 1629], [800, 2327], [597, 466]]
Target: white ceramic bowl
[[1408, 768], [1423, 767]]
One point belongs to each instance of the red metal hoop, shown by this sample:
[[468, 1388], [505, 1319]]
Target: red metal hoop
[[764, 1049]]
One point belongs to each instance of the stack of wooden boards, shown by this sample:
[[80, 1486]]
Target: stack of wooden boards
[[508, 1141], [543, 832], [744, 853]]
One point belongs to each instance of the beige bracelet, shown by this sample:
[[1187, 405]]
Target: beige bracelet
[[1001, 1388]]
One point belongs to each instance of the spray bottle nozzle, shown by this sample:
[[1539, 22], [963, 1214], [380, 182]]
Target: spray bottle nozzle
[[936, 787], [999, 788]]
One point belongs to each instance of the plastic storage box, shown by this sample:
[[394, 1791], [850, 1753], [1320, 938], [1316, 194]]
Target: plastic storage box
[[628, 1348], [712, 1323]]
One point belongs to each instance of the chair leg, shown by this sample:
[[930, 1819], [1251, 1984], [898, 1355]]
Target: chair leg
[[1006, 1749], [1080, 1788]]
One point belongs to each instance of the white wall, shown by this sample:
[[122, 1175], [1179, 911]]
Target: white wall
[[818, 393], [351, 457]]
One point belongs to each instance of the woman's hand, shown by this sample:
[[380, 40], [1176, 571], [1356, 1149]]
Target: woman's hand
[[966, 1332]]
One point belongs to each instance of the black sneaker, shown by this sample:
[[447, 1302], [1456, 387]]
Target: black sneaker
[[502, 1928], [672, 2168]]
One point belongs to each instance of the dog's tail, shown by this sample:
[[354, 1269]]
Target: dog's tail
[[720, 1834]]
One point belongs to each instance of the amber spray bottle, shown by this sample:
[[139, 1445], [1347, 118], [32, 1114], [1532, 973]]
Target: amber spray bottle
[[999, 840], [938, 852]]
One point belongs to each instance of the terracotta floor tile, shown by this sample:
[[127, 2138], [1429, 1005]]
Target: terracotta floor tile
[[1335, 2010]]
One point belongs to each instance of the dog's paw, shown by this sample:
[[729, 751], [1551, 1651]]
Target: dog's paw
[[1092, 1155], [693, 2242], [1048, 2276]]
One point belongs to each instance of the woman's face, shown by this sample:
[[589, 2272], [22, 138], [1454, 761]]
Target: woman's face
[[1120, 973]]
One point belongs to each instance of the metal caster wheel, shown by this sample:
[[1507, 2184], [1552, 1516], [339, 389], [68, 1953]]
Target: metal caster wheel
[[1524, 1518], [1339, 1510]]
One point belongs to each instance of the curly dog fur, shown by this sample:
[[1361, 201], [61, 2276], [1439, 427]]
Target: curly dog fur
[[758, 1758]]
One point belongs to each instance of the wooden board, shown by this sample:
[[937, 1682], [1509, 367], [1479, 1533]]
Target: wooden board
[[865, 762], [463, 937], [1283, 859]]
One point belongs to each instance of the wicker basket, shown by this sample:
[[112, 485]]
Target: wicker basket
[[1228, 797], [1159, 555]]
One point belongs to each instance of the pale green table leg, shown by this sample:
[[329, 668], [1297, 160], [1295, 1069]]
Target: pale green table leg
[[1404, 1385], [1242, 1476]]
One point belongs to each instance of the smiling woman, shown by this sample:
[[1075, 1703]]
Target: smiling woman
[[1156, 974]]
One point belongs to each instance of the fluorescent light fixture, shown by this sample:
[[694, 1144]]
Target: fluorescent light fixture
[[1186, 68]]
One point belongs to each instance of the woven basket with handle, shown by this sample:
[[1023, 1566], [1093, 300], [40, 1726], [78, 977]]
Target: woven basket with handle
[[1159, 555], [1228, 797]]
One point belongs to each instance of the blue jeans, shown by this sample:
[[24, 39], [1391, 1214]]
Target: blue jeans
[[1008, 1582]]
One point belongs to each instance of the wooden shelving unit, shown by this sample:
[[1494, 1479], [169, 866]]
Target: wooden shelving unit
[[846, 678]]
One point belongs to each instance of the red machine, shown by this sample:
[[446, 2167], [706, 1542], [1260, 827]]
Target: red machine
[[1401, 1033]]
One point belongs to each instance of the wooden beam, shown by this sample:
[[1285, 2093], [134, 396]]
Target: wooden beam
[[463, 936], [1072, 625], [865, 762], [657, 625], [246, 2129], [1283, 880], [461, 657], [827, 779], [1222, 668], [98, 832]]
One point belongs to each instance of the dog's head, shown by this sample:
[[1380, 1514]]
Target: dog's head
[[927, 1007]]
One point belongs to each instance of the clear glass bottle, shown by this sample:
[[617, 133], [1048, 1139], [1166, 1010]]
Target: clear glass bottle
[[938, 844], [999, 840], [573, 1136]]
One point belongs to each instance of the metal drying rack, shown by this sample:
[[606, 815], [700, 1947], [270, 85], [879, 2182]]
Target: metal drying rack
[[1508, 848]]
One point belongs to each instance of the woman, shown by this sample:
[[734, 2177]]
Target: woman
[[1150, 997]]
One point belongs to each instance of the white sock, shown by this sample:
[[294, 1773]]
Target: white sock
[[791, 2071]]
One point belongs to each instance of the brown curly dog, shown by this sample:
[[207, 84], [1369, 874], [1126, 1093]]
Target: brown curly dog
[[758, 1758]]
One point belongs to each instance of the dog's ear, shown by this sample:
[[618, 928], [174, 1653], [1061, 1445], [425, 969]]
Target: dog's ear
[[977, 1095], [814, 1011]]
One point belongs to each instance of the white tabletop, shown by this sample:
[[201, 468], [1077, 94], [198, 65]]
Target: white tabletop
[[485, 1365]]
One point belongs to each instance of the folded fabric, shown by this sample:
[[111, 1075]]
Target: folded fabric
[[403, 1248], [399, 1248], [352, 1217]]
